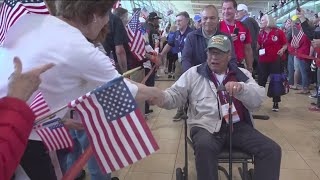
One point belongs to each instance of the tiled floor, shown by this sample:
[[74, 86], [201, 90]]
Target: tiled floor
[[295, 128]]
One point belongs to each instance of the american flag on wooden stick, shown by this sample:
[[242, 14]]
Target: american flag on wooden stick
[[115, 126], [12, 10], [39, 106], [55, 136], [137, 43]]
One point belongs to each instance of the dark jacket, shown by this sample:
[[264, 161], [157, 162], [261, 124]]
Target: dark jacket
[[309, 31], [254, 28], [194, 52]]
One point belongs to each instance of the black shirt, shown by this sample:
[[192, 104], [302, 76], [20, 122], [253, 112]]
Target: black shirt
[[117, 36]]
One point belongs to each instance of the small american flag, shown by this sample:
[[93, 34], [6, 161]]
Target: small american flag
[[115, 126], [12, 10], [144, 13], [55, 136], [137, 43], [39, 106]]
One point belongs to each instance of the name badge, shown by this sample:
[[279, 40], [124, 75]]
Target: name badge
[[179, 55], [225, 113], [262, 52]]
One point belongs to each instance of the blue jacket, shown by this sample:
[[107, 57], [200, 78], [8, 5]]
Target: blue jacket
[[194, 52]]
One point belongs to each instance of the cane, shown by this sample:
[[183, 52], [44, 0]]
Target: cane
[[230, 134]]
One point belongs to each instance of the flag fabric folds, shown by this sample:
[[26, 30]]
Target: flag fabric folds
[[55, 136], [12, 10], [136, 40], [115, 126], [39, 106]]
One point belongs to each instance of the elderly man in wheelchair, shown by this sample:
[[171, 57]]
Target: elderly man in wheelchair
[[208, 112]]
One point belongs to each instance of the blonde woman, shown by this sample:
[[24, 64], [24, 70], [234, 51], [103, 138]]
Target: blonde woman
[[272, 43]]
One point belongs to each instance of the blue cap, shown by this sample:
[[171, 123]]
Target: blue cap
[[197, 18]]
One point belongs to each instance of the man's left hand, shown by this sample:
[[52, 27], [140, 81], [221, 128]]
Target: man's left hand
[[233, 87]]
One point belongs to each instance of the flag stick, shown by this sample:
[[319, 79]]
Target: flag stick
[[72, 173], [45, 118]]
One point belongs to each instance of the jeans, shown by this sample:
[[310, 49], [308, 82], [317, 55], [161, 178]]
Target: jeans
[[304, 67], [81, 142], [291, 69]]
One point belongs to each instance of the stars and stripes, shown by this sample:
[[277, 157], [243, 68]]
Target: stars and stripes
[[12, 10], [55, 136], [144, 13], [115, 126], [137, 43], [296, 38], [39, 106]]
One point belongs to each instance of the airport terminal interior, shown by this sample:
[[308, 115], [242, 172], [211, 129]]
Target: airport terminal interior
[[292, 123]]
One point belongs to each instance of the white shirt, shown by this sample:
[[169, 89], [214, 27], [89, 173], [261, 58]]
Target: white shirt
[[79, 66]]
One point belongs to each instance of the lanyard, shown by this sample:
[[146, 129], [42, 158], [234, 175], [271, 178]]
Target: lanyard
[[235, 26], [264, 38]]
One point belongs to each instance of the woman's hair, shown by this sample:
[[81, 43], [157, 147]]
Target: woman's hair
[[271, 21], [82, 11], [120, 11]]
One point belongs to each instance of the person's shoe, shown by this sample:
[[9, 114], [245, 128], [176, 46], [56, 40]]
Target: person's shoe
[[314, 109], [82, 175], [275, 107], [178, 116], [184, 116], [148, 112], [314, 96]]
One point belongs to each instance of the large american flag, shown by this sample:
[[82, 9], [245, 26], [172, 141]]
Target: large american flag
[[137, 43], [39, 106], [12, 10], [55, 136], [115, 126]]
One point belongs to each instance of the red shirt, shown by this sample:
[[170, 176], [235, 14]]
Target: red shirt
[[272, 42], [244, 37], [304, 47]]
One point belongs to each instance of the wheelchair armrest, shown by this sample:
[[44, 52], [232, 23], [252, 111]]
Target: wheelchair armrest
[[261, 117]]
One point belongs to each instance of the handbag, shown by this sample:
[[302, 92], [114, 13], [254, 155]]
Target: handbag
[[278, 84]]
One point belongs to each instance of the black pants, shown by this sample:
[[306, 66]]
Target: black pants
[[207, 146], [264, 70], [172, 58], [149, 82], [36, 162]]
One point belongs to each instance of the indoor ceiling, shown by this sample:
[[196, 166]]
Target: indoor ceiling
[[254, 5]]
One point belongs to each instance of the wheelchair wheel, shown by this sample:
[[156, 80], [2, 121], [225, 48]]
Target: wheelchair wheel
[[179, 174], [250, 174]]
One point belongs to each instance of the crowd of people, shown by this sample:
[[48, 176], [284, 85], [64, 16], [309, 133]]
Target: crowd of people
[[88, 46]]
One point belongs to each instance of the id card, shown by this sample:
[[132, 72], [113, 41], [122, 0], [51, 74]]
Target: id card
[[262, 52], [225, 113], [179, 55]]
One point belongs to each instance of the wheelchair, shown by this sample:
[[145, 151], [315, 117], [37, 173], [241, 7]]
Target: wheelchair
[[238, 156]]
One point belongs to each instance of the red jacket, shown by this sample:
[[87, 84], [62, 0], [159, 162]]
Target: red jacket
[[304, 47], [16, 121]]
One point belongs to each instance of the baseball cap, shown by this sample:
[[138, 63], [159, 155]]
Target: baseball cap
[[221, 42], [242, 7], [197, 18], [153, 15]]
